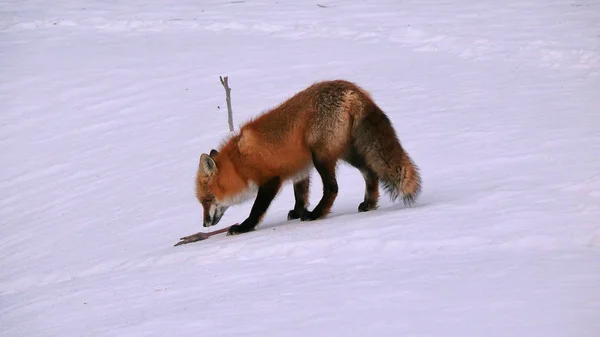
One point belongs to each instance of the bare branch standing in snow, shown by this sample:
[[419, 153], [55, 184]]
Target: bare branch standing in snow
[[228, 99]]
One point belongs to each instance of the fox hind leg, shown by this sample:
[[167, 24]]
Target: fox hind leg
[[326, 169], [301, 190], [371, 199], [371, 190]]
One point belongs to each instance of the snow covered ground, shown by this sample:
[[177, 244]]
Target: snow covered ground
[[106, 106]]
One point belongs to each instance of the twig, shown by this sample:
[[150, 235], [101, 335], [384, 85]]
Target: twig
[[228, 99], [199, 236]]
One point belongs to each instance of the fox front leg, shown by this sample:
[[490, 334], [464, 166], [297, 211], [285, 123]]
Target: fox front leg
[[266, 194]]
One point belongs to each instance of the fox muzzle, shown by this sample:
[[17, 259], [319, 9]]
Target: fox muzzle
[[213, 215]]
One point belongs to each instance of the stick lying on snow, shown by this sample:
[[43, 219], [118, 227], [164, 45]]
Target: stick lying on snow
[[199, 236]]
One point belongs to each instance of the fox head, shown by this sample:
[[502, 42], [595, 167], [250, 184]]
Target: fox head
[[220, 185], [209, 189]]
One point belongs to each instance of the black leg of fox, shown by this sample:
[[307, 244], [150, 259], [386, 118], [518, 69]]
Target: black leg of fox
[[266, 194], [326, 170], [371, 190], [357, 160], [301, 189]]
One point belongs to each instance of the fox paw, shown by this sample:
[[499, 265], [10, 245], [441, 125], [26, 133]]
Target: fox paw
[[294, 214], [308, 216], [238, 229], [367, 206]]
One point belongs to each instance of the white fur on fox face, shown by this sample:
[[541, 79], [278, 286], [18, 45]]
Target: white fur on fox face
[[212, 211], [213, 214], [248, 193]]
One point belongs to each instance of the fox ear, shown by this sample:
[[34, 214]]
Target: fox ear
[[208, 165], [214, 153]]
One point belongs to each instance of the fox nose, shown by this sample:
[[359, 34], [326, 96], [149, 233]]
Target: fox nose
[[210, 221]]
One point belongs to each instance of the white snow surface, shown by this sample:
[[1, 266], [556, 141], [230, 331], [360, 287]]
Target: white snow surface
[[106, 106]]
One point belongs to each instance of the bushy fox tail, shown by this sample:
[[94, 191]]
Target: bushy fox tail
[[376, 140]]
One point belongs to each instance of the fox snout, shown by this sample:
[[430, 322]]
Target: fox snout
[[213, 214]]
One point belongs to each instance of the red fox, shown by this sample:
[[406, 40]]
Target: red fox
[[315, 128]]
